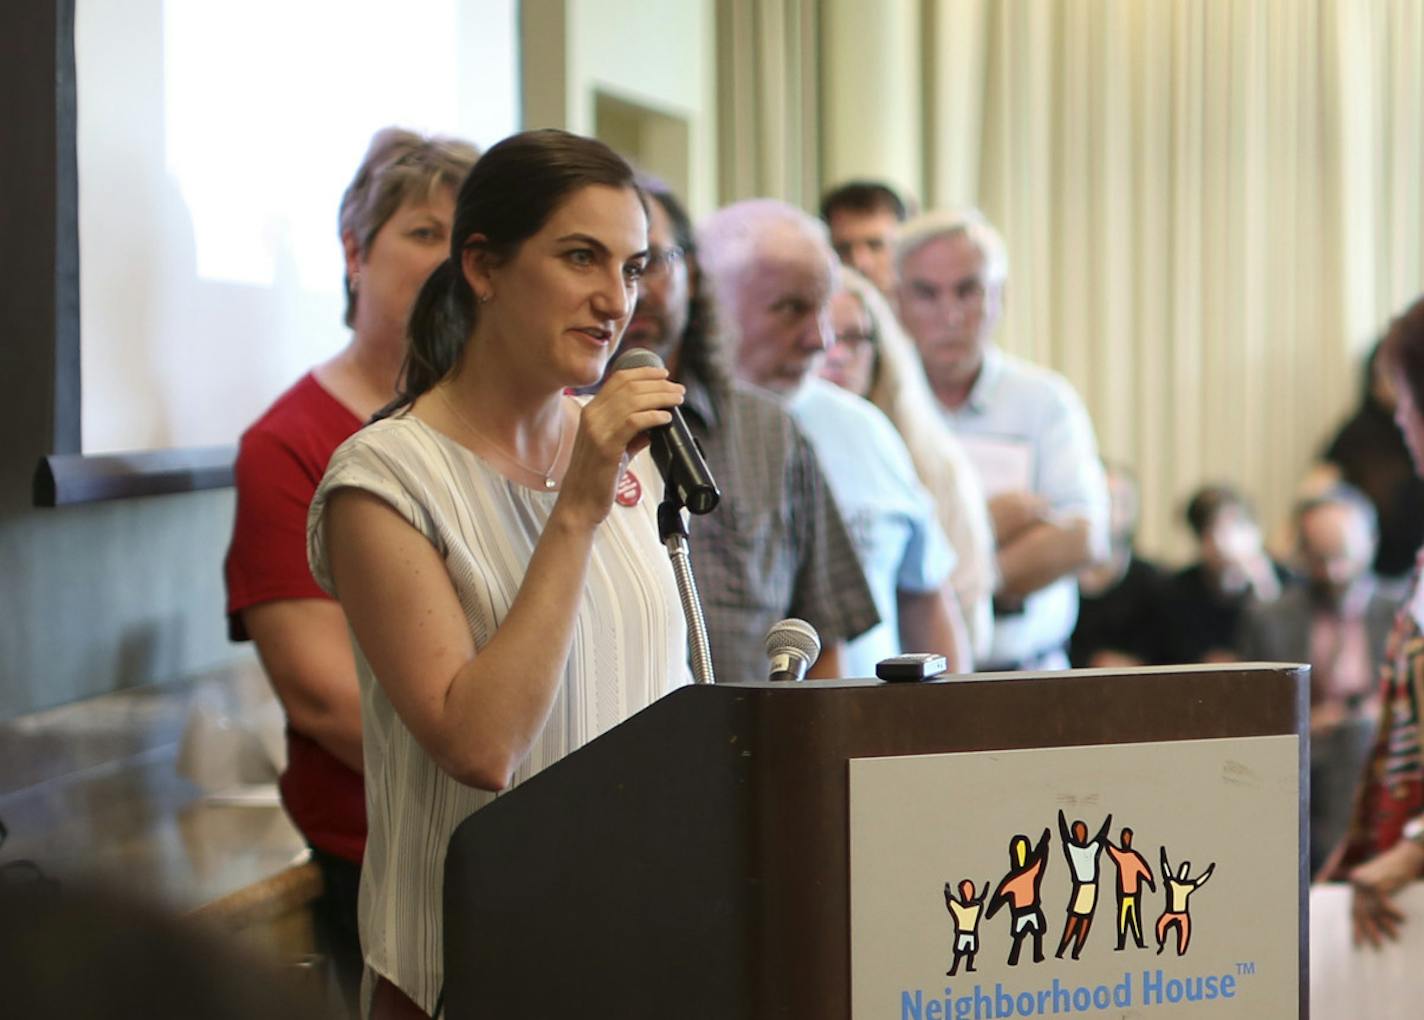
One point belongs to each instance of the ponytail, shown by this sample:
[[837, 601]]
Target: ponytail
[[441, 321]]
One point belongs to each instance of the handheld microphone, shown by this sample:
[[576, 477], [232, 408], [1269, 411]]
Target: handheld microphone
[[793, 646], [675, 451]]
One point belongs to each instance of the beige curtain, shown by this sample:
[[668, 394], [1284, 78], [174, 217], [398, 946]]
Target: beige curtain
[[1210, 205], [769, 100], [1382, 84]]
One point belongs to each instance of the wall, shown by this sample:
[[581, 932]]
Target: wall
[[664, 62], [659, 57], [208, 195], [98, 597]]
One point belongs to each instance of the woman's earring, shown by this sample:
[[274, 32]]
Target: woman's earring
[[484, 298], [355, 282]]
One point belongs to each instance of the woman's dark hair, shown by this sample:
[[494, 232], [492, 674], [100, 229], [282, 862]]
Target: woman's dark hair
[[1373, 363], [1403, 349], [508, 197]]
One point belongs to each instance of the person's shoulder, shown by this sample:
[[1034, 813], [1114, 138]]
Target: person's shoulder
[[1142, 567], [853, 435], [399, 445], [1144, 578], [1292, 602], [399, 431], [823, 398], [1383, 598], [1383, 604], [404, 461], [1189, 579], [760, 416], [755, 403], [300, 429], [1192, 573], [871, 425], [299, 408], [845, 403], [1041, 381]]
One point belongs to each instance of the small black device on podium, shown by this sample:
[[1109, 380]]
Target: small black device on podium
[[911, 668]]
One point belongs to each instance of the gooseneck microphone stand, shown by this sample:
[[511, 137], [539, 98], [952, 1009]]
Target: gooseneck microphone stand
[[672, 529]]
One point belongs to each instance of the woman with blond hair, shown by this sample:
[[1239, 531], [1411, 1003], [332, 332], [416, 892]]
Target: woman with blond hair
[[880, 364]]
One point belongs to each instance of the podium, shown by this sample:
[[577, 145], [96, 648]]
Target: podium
[[695, 860]]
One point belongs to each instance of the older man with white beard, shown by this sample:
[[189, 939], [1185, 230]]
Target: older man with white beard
[[773, 272], [776, 545]]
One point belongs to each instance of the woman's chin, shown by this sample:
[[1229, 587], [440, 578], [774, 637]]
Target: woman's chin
[[587, 373]]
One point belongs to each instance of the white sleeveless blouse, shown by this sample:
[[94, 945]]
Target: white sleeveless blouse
[[629, 648]]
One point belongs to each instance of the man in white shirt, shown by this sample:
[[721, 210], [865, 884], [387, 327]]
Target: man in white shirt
[[1024, 427], [773, 273]]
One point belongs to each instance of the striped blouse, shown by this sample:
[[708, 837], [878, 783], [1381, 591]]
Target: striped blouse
[[629, 648]]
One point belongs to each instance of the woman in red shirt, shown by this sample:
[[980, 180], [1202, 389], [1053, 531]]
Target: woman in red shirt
[[395, 228]]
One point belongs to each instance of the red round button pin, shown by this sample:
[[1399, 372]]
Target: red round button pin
[[630, 490]]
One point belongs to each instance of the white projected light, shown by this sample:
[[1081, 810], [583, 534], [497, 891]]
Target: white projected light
[[214, 144]]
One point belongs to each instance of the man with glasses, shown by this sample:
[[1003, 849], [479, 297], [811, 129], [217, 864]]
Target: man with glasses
[[776, 545], [1024, 427]]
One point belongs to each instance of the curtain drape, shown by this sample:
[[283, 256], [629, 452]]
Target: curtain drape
[[769, 99], [1211, 207]]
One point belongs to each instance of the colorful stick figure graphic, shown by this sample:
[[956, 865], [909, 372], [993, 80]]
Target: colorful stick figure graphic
[[1179, 889], [1132, 871], [966, 911], [1020, 890], [1082, 854]]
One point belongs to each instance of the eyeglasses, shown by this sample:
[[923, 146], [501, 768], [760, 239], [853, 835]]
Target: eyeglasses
[[662, 261]]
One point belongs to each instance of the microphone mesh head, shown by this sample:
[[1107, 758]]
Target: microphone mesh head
[[637, 357], [795, 635]]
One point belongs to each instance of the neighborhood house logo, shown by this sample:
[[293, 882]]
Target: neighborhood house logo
[[1018, 895]]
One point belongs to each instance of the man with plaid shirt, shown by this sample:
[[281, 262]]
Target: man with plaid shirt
[[776, 545]]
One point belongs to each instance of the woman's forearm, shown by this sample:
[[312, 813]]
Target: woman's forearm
[[499, 701]]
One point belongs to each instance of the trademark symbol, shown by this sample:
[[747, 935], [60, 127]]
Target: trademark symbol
[[1246, 968]]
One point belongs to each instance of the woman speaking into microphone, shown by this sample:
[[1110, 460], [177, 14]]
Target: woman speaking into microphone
[[489, 539]]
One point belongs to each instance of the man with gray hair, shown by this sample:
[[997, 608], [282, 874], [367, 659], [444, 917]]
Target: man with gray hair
[[773, 273], [1337, 620], [776, 545], [1024, 427]]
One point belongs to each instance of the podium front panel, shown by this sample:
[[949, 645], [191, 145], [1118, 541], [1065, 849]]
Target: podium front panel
[[1106, 880]]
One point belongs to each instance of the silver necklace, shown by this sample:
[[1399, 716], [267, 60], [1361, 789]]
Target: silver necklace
[[548, 476]]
